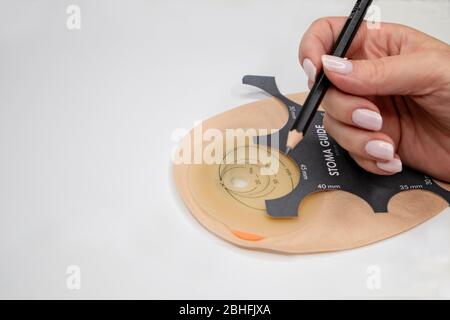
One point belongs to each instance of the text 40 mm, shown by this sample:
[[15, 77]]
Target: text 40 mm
[[324, 186]]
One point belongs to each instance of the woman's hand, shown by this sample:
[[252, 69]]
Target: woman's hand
[[390, 101]]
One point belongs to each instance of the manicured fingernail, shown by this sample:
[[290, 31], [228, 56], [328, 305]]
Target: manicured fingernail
[[310, 84], [394, 165], [309, 69], [380, 149], [336, 64], [367, 119]]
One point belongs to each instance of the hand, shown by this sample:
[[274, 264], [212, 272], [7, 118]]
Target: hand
[[390, 101]]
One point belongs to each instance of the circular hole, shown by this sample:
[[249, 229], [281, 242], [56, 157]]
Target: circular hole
[[239, 183]]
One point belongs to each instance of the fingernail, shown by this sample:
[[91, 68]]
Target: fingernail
[[394, 165], [309, 69], [336, 64], [367, 119], [310, 84], [380, 149]]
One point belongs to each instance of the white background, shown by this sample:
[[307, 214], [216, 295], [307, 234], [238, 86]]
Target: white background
[[86, 119]]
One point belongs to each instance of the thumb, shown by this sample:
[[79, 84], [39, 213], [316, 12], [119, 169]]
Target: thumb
[[392, 75]]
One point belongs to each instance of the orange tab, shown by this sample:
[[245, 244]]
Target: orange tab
[[247, 236]]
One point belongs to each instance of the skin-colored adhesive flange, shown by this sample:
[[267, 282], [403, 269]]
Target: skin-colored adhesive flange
[[228, 199]]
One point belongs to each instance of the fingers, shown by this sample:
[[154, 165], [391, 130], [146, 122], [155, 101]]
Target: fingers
[[412, 74], [402, 70], [319, 39], [381, 168], [373, 151], [352, 110]]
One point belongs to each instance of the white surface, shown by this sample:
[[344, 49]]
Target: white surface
[[85, 124]]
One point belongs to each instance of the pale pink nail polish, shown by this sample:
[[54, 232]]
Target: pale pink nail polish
[[380, 149], [367, 119], [336, 64], [309, 69], [394, 165]]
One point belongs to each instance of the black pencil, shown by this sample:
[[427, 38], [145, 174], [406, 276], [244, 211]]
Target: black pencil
[[321, 84]]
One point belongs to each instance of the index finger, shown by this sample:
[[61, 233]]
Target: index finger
[[320, 37]]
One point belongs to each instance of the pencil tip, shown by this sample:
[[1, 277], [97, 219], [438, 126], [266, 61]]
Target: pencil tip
[[287, 150]]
